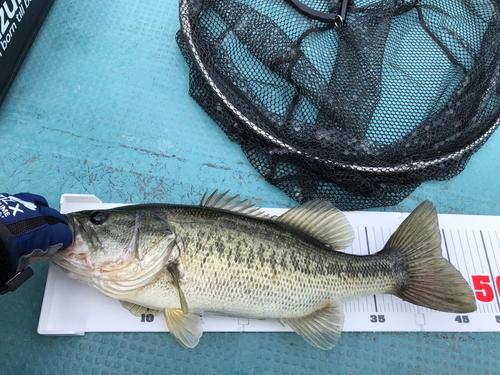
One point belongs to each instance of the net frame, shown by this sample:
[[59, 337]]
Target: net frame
[[245, 123]]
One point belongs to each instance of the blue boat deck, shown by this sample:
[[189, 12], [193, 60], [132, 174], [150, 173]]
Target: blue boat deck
[[101, 106]]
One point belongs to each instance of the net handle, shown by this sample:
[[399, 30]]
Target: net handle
[[338, 18]]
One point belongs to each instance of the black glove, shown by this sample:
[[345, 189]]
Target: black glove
[[28, 228]]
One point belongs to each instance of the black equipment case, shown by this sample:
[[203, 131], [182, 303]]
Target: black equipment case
[[20, 21]]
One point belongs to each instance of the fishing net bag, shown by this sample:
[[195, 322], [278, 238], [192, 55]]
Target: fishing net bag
[[357, 102]]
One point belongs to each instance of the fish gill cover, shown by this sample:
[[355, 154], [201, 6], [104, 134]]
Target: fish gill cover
[[359, 110]]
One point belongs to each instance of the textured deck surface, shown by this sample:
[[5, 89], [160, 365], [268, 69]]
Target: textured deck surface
[[100, 106]]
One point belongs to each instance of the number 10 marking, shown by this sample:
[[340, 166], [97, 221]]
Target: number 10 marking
[[147, 318]]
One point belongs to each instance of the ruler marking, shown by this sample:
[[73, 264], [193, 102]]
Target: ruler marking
[[489, 266], [497, 308], [369, 253], [382, 235], [457, 245], [463, 254], [496, 262], [375, 237], [498, 240], [466, 274], [493, 248], [384, 297], [375, 241], [446, 246], [359, 240], [470, 248], [477, 247]]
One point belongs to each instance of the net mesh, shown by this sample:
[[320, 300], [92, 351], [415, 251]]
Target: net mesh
[[361, 114]]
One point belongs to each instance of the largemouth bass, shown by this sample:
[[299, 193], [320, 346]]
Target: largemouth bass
[[227, 258]]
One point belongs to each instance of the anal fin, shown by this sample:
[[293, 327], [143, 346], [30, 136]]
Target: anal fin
[[186, 328], [322, 328], [138, 310]]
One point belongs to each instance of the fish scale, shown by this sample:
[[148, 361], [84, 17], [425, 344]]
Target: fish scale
[[187, 260], [346, 275]]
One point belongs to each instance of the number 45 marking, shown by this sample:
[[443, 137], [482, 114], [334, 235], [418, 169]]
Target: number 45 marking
[[462, 319]]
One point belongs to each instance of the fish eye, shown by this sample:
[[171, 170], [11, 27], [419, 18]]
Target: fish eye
[[98, 217]]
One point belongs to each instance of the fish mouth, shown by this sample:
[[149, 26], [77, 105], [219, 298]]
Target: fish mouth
[[71, 227], [74, 265], [72, 260], [76, 227], [118, 279], [117, 283]]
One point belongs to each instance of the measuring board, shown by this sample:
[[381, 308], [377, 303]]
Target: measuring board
[[470, 243]]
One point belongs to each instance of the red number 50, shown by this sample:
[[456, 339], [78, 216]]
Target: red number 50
[[482, 286]]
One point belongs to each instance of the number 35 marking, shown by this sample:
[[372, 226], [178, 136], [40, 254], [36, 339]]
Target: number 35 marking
[[377, 318]]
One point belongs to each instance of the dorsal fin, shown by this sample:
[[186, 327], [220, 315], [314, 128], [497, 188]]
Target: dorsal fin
[[224, 201], [322, 221], [318, 218]]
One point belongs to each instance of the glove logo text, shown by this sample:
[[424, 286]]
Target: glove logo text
[[6, 204]]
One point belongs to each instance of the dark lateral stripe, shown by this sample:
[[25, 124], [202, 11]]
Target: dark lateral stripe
[[25, 226]]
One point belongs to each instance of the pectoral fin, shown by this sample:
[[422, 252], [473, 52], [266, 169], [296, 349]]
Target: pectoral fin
[[138, 310], [186, 328], [321, 328], [175, 272]]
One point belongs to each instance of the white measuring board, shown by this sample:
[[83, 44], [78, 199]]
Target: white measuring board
[[470, 243]]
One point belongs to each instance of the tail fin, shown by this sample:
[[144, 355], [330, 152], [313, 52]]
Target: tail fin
[[433, 281]]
